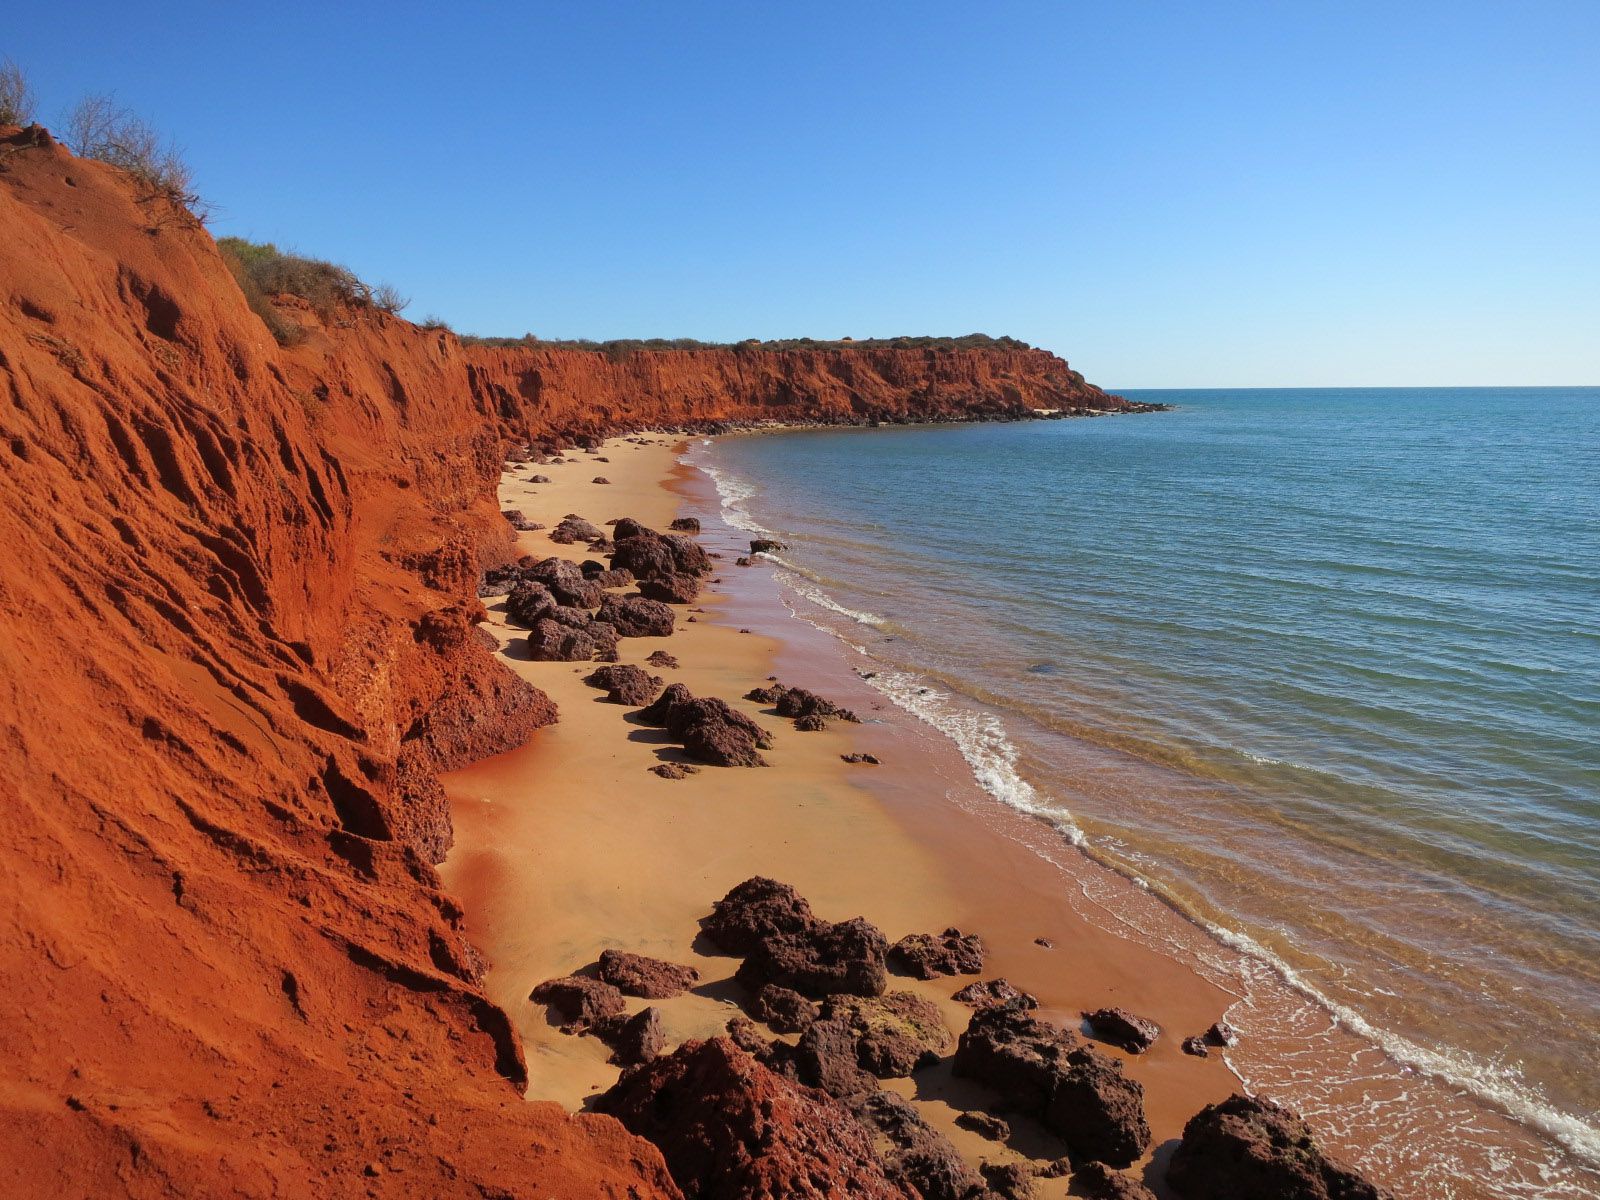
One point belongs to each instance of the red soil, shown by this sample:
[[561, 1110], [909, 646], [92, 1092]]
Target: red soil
[[236, 626]]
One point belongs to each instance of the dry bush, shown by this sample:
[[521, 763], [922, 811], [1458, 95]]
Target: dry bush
[[387, 297], [100, 128], [16, 97], [284, 331]]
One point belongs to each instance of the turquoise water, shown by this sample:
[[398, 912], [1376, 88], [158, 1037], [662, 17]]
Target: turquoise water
[[1322, 665]]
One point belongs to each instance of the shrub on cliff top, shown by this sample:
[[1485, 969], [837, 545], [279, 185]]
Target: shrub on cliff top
[[324, 284], [619, 348], [99, 128], [16, 97]]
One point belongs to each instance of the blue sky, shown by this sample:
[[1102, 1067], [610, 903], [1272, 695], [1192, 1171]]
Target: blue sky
[[1167, 194]]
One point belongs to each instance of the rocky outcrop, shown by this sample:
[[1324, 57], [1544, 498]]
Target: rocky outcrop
[[625, 684], [1247, 1148], [993, 991], [1078, 1093], [927, 956], [1122, 1028], [783, 1009], [639, 975], [711, 731], [730, 1129], [582, 1003]]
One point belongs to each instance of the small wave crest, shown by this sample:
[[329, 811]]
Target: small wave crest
[[734, 493], [792, 578]]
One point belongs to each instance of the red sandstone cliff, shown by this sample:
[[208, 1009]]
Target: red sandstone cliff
[[236, 626]]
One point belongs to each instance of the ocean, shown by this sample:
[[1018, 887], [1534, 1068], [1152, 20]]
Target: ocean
[[1321, 666]]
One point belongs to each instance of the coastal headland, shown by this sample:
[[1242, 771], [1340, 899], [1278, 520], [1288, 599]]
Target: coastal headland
[[244, 639]]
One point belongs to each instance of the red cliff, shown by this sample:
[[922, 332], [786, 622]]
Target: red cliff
[[236, 619]]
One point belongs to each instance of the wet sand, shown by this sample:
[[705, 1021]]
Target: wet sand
[[571, 845]]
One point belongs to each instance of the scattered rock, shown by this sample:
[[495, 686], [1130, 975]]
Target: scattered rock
[[634, 616], [538, 479], [808, 724], [572, 529], [600, 479], [1196, 1046], [1222, 1034], [731, 1129], [518, 521], [825, 1057], [565, 582], [765, 546], [636, 1039], [993, 991], [985, 1125], [651, 555], [671, 770], [918, 1155], [639, 975], [497, 581], [685, 525], [924, 956], [741, 561], [782, 1009], [1044, 943], [1011, 1181], [1096, 1181], [625, 684], [847, 957], [553, 640], [1121, 1028], [1098, 1111], [1015, 1053], [797, 702], [755, 910], [528, 602], [660, 658], [671, 589], [581, 1001], [709, 729], [870, 759], [1247, 1148], [896, 1033]]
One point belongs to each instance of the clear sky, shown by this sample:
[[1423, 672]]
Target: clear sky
[[1168, 194]]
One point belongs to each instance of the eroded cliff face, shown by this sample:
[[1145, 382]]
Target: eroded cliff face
[[236, 622]]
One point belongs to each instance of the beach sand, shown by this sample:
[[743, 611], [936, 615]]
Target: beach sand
[[571, 845]]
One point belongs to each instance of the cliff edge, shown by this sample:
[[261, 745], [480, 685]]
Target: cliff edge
[[237, 621]]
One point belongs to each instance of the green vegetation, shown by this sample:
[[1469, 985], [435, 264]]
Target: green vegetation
[[263, 270], [622, 347]]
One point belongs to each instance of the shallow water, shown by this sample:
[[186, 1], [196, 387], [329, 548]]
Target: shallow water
[[1323, 666]]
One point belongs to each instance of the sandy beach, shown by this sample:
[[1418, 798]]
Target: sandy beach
[[571, 845]]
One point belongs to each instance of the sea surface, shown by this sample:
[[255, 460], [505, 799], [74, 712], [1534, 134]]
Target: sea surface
[[1321, 666]]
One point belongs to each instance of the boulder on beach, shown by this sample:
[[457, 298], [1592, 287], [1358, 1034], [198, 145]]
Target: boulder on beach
[[1009, 1180], [517, 519], [993, 991], [1014, 1052], [660, 658], [985, 1125], [755, 910], [765, 546], [685, 525], [580, 1001], [782, 1009], [553, 640], [896, 1033], [640, 975], [1097, 1110], [625, 684], [1248, 1148], [635, 616], [1121, 1028], [633, 1039], [565, 580], [572, 529], [927, 956], [915, 1153], [528, 602], [671, 589], [846, 956], [730, 1129], [709, 729], [1096, 1181]]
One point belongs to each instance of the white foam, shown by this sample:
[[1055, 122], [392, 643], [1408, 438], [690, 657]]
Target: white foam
[[796, 582]]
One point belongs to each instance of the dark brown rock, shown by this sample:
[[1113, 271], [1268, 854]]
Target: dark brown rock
[[685, 525], [722, 745], [926, 956], [993, 991], [1196, 1046], [916, 1153], [1097, 1110], [572, 529], [634, 616], [869, 759], [660, 658], [671, 589], [896, 1033], [1096, 1181], [612, 579], [1010, 1181], [639, 975], [633, 1040], [672, 770], [1221, 1034], [755, 910], [625, 684], [600, 479], [798, 702], [765, 546], [731, 1129], [518, 521], [810, 724], [1252, 1149], [709, 729], [844, 957], [1122, 1028], [782, 1009], [552, 640], [826, 1058], [528, 602], [565, 581], [985, 1125], [1016, 1053], [581, 1002]]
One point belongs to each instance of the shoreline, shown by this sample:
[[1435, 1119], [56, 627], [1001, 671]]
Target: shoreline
[[569, 846]]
